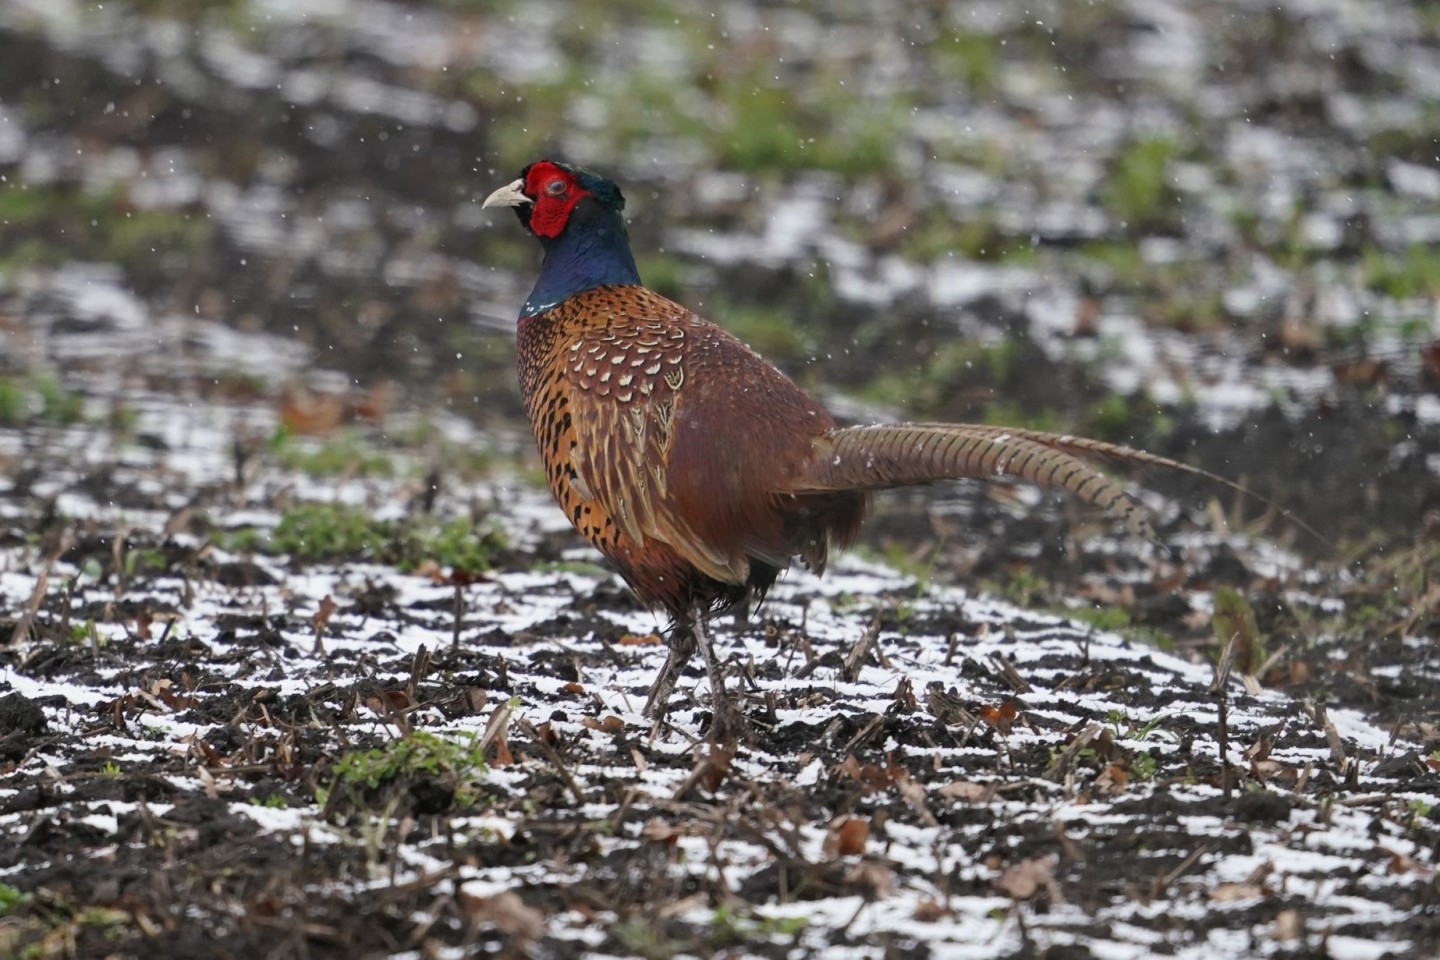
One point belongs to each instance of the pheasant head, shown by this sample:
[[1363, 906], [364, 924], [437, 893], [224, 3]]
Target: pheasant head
[[575, 214]]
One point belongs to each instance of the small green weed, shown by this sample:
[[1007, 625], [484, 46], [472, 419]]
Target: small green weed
[[10, 898], [732, 928], [971, 58], [332, 532], [1102, 618], [48, 225], [313, 532], [1144, 766], [347, 454], [421, 771], [1413, 274], [38, 399], [1140, 191]]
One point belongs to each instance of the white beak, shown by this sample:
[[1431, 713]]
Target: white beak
[[510, 195]]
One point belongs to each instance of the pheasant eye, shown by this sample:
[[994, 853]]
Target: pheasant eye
[[555, 188]]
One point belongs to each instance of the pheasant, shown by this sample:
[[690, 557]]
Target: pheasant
[[697, 468]]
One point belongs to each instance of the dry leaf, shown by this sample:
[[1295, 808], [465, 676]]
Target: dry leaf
[[929, 911], [639, 639], [967, 791], [1000, 718], [870, 775], [306, 412], [1105, 747], [947, 706], [1029, 877], [1111, 780], [1288, 925], [576, 688], [375, 403], [871, 880], [161, 690], [207, 780], [658, 831], [507, 912], [846, 838], [611, 724], [475, 699], [713, 768], [388, 702], [1399, 862], [502, 756], [1229, 892], [914, 794], [496, 735]]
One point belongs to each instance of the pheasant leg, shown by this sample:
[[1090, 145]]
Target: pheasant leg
[[727, 725], [682, 648]]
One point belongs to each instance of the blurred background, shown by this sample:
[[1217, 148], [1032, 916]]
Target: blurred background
[[1205, 228]]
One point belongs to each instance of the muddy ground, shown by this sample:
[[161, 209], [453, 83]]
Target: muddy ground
[[297, 659]]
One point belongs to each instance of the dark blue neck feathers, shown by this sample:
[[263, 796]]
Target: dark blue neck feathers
[[592, 251]]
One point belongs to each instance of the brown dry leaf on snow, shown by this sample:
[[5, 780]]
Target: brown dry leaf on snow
[[1399, 863], [306, 412], [913, 794], [162, 690], [1112, 779], [321, 618], [1288, 925], [713, 768], [314, 413], [847, 838], [639, 639], [508, 913], [967, 791], [871, 880], [1231, 891], [1106, 748], [389, 702], [869, 774], [1029, 877], [1265, 742], [611, 724], [658, 831], [1000, 718], [496, 736]]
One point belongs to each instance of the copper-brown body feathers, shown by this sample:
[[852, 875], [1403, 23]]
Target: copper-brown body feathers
[[701, 471], [671, 446]]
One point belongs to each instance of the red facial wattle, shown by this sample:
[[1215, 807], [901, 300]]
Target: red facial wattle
[[555, 192]]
